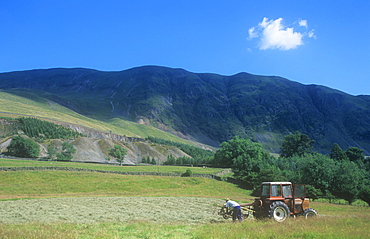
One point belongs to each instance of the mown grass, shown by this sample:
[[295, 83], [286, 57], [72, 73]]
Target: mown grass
[[350, 226]]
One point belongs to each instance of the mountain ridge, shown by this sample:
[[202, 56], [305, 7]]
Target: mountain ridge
[[206, 107]]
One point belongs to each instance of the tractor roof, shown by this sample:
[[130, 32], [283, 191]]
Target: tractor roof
[[276, 183]]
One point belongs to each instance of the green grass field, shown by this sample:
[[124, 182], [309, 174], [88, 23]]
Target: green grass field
[[41, 184], [161, 168], [334, 221]]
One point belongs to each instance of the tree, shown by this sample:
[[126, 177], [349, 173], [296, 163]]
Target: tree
[[367, 163], [347, 181], [41, 129], [317, 170], [355, 154], [51, 151], [245, 157], [364, 194], [312, 192], [119, 153], [153, 161], [23, 147], [296, 144], [337, 153], [144, 160], [170, 160], [230, 150], [270, 173], [67, 152]]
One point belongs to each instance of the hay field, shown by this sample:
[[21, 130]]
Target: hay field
[[89, 210]]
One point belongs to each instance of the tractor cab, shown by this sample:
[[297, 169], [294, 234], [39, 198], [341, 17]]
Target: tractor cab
[[276, 190]]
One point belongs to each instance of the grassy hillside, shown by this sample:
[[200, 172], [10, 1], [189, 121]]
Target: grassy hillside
[[12, 104]]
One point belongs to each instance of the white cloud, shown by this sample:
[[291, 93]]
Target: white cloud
[[272, 34], [275, 36], [252, 33], [303, 23], [311, 34]]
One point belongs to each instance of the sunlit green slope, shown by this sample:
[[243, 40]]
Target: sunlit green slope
[[13, 105]]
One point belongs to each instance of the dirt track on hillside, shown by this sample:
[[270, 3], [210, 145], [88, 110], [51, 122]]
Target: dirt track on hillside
[[88, 210]]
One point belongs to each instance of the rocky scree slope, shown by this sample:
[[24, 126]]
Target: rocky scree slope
[[95, 146]]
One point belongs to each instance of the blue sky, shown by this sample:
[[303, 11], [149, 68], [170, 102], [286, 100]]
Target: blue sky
[[311, 42]]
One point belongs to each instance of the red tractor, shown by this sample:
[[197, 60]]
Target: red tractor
[[280, 200]]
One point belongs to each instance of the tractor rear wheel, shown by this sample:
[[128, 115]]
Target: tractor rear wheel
[[279, 211], [309, 213]]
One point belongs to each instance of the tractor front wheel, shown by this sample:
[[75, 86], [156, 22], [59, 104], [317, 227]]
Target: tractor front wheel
[[309, 213], [279, 211]]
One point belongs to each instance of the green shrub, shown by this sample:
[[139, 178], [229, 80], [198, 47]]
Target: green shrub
[[188, 173], [67, 152], [24, 148]]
